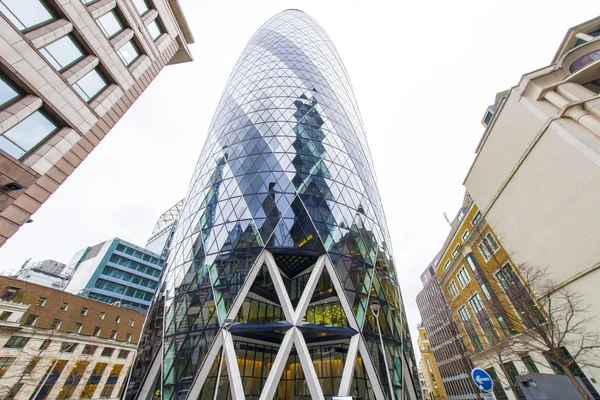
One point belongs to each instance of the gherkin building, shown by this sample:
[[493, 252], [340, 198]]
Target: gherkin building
[[280, 281]]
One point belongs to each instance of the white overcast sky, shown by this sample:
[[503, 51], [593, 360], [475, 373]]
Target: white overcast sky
[[423, 73]]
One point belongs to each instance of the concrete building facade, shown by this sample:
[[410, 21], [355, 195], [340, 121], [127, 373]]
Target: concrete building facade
[[116, 271], [431, 375], [46, 272], [56, 345], [69, 70]]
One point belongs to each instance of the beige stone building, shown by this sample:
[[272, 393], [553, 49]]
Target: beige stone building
[[536, 175], [62, 346], [69, 70]]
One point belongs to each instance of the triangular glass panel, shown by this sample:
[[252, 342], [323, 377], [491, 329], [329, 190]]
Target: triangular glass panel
[[292, 384]]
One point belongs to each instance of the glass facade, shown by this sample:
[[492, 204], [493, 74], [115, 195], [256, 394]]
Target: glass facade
[[281, 251]]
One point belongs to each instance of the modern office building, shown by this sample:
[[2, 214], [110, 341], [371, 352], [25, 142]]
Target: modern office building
[[46, 272], [447, 346], [162, 234], [429, 370], [69, 70], [116, 271], [281, 281], [536, 175], [56, 345]]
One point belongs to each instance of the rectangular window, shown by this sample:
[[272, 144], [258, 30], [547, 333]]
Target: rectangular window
[[123, 354], [41, 302], [128, 338], [531, 367], [89, 349], [464, 314], [491, 241], [113, 335], [68, 347], [472, 261], [97, 331], [465, 236], [90, 85], [463, 277], [453, 290], [45, 344], [484, 251], [485, 291], [110, 24], [455, 252], [476, 303], [117, 319], [25, 14], [16, 342], [64, 307], [56, 324], [31, 365], [63, 53], [141, 6], [510, 371], [507, 276], [155, 29], [101, 315], [5, 363], [27, 134], [77, 328], [504, 325], [10, 292], [84, 311], [107, 351], [130, 322], [476, 218], [447, 265], [129, 52], [4, 315]]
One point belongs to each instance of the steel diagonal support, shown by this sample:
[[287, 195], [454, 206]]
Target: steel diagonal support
[[206, 366], [235, 379], [370, 369], [309, 289], [286, 304], [239, 299], [278, 366], [145, 391], [341, 294], [348, 372], [312, 380]]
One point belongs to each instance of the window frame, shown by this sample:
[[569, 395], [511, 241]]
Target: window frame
[[466, 273], [28, 29], [27, 152], [453, 293], [476, 218], [102, 75], [136, 47], [76, 42], [119, 17], [161, 29]]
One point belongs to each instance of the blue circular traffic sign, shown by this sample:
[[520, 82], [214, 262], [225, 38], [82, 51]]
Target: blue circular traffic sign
[[482, 379]]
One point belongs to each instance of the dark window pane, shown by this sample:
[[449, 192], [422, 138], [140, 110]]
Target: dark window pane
[[62, 53], [110, 24], [25, 13], [90, 85]]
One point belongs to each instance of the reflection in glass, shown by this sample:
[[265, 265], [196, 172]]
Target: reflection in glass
[[26, 134], [25, 13], [110, 24], [129, 53], [62, 53], [90, 85], [7, 92], [141, 6], [155, 29]]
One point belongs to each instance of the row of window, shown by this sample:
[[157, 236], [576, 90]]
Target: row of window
[[129, 277], [19, 342], [137, 254], [117, 288], [61, 54], [65, 306], [57, 323], [134, 265]]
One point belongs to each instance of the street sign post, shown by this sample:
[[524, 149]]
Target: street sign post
[[482, 379]]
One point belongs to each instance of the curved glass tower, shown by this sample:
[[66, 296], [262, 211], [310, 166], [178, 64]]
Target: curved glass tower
[[280, 281]]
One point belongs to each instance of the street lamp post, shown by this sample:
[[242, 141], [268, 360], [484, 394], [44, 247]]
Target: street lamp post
[[375, 310]]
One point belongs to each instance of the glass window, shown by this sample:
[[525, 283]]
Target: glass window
[[107, 351], [67, 347], [155, 29], [484, 251], [141, 5], [129, 52], [465, 236], [25, 13], [447, 265], [491, 241], [90, 85], [463, 277], [110, 24], [128, 338], [7, 92], [64, 307], [24, 136], [62, 53], [84, 311], [101, 315], [77, 328], [131, 322], [464, 314], [113, 335], [511, 371], [56, 324], [45, 344], [476, 303], [41, 302], [453, 290], [117, 319], [531, 367], [97, 331], [16, 342], [30, 321], [89, 349], [455, 252], [5, 363], [477, 218], [5, 315], [123, 354]]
